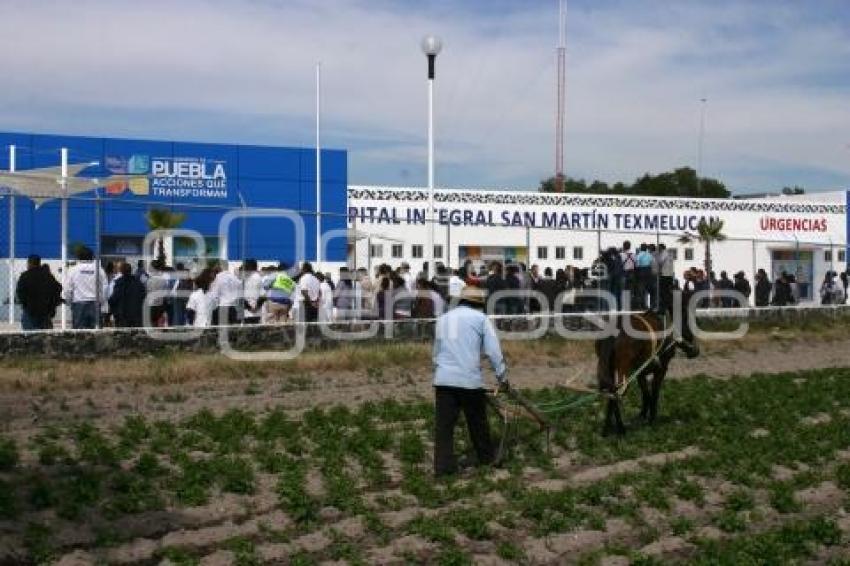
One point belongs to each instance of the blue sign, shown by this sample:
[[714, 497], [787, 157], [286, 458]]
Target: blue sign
[[204, 181]]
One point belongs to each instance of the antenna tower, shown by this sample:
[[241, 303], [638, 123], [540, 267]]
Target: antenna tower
[[561, 79]]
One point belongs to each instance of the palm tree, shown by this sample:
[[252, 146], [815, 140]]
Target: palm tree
[[163, 219], [708, 231]]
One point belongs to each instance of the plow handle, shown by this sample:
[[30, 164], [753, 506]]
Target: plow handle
[[527, 405]]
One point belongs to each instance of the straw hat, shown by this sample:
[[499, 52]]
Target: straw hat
[[473, 294]]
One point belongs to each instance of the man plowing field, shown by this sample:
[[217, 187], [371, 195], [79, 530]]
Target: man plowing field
[[462, 335]]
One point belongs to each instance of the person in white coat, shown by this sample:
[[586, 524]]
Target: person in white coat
[[326, 299], [82, 292]]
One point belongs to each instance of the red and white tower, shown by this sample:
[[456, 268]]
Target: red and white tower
[[560, 87]]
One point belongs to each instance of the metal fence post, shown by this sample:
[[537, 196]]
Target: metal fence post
[[97, 283], [449, 244], [831, 256], [244, 226], [755, 268], [369, 255], [355, 239], [598, 242], [658, 269]]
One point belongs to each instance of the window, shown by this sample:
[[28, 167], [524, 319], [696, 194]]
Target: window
[[560, 252], [438, 252], [674, 253], [689, 254], [542, 252], [827, 255], [578, 252], [416, 251], [397, 250], [377, 250], [842, 255]]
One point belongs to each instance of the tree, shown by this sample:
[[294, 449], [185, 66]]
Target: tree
[[795, 190], [598, 187], [681, 182], [569, 184], [163, 219], [708, 231]]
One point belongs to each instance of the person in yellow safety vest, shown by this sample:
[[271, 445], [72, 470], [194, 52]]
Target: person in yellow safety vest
[[279, 294]]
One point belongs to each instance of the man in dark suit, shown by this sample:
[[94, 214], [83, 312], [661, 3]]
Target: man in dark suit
[[128, 298], [39, 294]]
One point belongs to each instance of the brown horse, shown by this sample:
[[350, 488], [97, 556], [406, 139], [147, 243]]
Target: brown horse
[[643, 355]]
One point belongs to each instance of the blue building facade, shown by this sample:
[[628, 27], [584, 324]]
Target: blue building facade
[[203, 181]]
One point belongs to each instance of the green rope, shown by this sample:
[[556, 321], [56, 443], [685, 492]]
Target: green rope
[[553, 407], [561, 406], [565, 405]]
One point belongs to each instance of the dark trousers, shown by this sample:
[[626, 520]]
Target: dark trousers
[[450, 401], [652, 291], [227, 315], [177, 314], [35, 322], [84, 314], [642, 288], [311, 312], [665, 293], [156, 312], [615, 286]]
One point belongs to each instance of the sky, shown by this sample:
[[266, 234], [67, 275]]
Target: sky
[[775, 76]]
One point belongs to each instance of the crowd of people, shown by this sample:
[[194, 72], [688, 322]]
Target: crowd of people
[[123, 295]]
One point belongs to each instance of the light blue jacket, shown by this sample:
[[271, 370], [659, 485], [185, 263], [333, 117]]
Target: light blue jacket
[[462, 335], [643, 259]]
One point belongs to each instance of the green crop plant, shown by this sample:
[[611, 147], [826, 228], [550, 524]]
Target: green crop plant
[[510, 551], [177, 556], [8, 454], [739, 500], [36, 541], [244, 551], [131, 493], [93, 447], [471, 521], [192, 484], [293, 496], [431, 528], [787, 544], [234, 474], [782, 498], [8, 500], [452, 555]]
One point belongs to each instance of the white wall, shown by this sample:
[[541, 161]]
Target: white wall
[[754, 228]]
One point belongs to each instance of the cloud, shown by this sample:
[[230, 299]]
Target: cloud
[[775, 75]]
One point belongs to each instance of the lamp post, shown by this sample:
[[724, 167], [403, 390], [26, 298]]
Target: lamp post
[[64, 228], [431, 46]]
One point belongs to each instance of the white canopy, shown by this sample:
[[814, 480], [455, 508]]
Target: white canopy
[[44, 184]]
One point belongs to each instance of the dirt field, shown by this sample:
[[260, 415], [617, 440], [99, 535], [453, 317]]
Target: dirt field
[[326, 459], [37, 394]]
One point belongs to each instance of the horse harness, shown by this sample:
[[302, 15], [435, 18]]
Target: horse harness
[[654, 359]]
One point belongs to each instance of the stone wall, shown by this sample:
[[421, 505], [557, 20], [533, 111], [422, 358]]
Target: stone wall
[[138, 342]]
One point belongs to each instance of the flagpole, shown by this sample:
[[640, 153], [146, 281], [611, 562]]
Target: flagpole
[[12, 167], [318, 166]]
